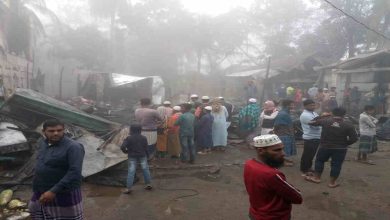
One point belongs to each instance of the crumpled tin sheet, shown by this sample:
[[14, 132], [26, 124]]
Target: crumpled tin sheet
[[9, 136]]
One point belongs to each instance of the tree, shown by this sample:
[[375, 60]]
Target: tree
[[277, 24], [87, 45]]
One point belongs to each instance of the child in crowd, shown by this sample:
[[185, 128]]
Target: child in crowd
[[135, 145]]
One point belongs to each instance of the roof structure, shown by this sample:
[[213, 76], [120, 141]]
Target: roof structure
[[376, 61]]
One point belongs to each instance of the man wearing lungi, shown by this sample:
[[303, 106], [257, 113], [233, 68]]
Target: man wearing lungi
[[57, 179], [149, 119]]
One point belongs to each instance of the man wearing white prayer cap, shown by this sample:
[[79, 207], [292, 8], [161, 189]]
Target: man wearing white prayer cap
[[252, 100], [204, 127], [205, 98], [200, 108], [165, 112], [194, 97], [177, 108], [270, 195], [194, 101]]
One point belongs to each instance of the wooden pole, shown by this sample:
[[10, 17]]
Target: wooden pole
[[60, 82], [265, 83]]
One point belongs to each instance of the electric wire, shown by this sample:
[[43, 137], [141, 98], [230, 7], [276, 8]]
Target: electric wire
[[357, 21]]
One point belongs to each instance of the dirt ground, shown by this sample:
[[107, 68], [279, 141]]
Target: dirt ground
[[194, 192]]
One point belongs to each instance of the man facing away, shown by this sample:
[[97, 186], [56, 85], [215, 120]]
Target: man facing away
[[204, 135], [311, 136], [57, 179], [136, 148], [186, 133], [312, 92], [284, 128], [367, 126], [149, 119], [229, 107], [270, 195], [336, 136]]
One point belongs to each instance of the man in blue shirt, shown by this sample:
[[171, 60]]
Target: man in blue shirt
[[57, 179], [186, 133], [311, 136], [283, 127]]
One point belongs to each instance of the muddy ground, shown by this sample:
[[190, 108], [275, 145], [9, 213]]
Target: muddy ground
[[213, 189]]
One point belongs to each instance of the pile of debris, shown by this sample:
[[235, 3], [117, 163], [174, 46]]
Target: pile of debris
[[21, 119], [12, 209]]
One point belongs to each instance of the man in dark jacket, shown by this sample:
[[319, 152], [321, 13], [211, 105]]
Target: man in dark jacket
[[57, 179], [336, 136], [136, 147], [204, 135]]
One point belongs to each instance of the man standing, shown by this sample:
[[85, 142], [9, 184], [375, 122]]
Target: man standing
[[355, 97], [194, 101], [367, 127], [311, 136], [204, 126], [229, 107], [57, 179], [270, 196], [267, 117], [312, 92], [186, 133], [149, 119], [283, 127], [250, 90], [282, 94], [165, 112], [336, 136], [200, 109]]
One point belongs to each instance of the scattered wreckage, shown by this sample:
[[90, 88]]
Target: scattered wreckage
[[21, 118]]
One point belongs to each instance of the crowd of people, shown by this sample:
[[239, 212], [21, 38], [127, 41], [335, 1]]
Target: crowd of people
[[183, 130], [324, 97], [325, 136], [192, 128]]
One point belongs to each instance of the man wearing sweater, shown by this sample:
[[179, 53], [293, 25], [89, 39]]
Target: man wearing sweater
[[336, 136]]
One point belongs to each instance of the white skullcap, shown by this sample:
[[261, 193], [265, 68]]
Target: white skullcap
[[205, 97], [220, 97], [208, 108], [177, 108], [252, 100], [266, 140], [194, 96], [167, 103], [326, 89]]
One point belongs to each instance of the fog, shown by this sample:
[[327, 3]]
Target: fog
[[188, 43]]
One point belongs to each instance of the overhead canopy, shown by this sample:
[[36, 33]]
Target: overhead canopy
[[118, 80], [256, 73], [115, 87], [379, 59]]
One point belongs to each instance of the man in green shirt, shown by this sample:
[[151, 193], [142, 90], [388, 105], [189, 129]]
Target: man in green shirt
[[186, 133]]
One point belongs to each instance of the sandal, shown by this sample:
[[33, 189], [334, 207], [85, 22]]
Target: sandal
[[126, 191], [333, 185], [312, 179], [369, 162]]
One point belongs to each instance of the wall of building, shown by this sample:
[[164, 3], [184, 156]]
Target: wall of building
[[15, 72]]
